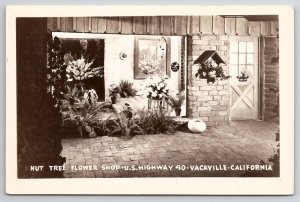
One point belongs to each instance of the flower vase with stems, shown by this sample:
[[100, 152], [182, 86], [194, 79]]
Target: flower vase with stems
[[114, 91], [176, 101]]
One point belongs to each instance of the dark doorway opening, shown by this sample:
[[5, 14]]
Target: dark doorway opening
[[94, 51]]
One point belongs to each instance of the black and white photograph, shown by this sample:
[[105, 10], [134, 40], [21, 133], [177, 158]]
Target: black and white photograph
[[160, 96]]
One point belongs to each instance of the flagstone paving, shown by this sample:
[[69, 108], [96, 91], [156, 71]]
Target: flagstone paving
[[240, 143]]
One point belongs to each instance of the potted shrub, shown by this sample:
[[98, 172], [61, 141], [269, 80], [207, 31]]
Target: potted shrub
[[126, 89], [72, 94], [84, 120], [176, 101], [113, 90], [90, 96], [157, 92], [125, 125], [210, 67]]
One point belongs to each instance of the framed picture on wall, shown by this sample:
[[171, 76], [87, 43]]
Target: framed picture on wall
[[151, 57]]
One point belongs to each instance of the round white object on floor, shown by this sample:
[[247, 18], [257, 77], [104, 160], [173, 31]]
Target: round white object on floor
[[196, 126]]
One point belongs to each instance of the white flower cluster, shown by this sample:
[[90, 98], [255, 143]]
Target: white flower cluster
[[90, 96], [156, 88], [80, 70], [149, 66]]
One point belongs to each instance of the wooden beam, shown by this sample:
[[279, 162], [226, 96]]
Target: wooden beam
[[230, 28], [218, 25], [206, 24], [80, 24], [126, 25], [241, 26], [62, 24], [112, 24], [86, 24], [94, 24], [74, 24], [265, 28], [254, 28], [274, 28], [139, 25], [69, 24], [102, 25], [167, 26], [195, 25], [181, 25]]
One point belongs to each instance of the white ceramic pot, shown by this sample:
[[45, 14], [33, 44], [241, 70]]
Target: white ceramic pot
[[196, 126]]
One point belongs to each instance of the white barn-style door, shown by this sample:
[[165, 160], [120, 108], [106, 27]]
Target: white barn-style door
[[243, 69]]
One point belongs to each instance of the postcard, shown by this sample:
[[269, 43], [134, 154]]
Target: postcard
[[189, 100]]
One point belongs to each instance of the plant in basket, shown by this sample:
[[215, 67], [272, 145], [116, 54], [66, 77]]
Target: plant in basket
[[125, 125], [210, 66], [90, 96], [80, 69], [156, 88], [176, 101], [82, 120], [126, 89], [71, 94], [114, 90]]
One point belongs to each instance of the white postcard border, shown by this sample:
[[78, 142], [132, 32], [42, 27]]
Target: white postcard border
[[195, 185]]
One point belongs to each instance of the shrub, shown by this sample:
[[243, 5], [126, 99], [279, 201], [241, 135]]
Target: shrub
[[176, 101], [156, 121], [126, 89]]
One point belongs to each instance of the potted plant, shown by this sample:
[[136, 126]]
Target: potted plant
[[126, 89], [176, 101], [72, 94], [83, 120], [157, 92], [90, 96], [125, 125], [80, 69], [156, 89], [113, 90], [210, 67]]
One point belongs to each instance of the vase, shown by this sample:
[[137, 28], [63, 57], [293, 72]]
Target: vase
[[92, 133], [177, 111], [196, 126], [113, 100], [79, 128], [157, 104], [127, 133], [72, 101]]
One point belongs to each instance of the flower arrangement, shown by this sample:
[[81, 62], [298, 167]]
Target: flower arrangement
[[156, 88], [71, 94], [176, 101], [80, 69], [90, 96], [113, 89], [149, 66], [210, 70], [54, 69], [126, 88]]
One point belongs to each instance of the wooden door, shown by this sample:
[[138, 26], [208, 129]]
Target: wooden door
[[243, 69]]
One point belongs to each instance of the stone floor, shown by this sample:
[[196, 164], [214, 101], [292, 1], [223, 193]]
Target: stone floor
[[241, 143]]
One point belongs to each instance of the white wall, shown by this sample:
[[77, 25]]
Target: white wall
[[116, 69]]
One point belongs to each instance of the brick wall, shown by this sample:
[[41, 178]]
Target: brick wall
[[271, 76], [210, 102]]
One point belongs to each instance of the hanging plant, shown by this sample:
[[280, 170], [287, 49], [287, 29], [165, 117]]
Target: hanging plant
[[210, 67], [80, 69], [210, 70], [55, 69]]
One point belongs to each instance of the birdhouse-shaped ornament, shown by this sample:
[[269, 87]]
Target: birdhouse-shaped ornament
[[210, 66]]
